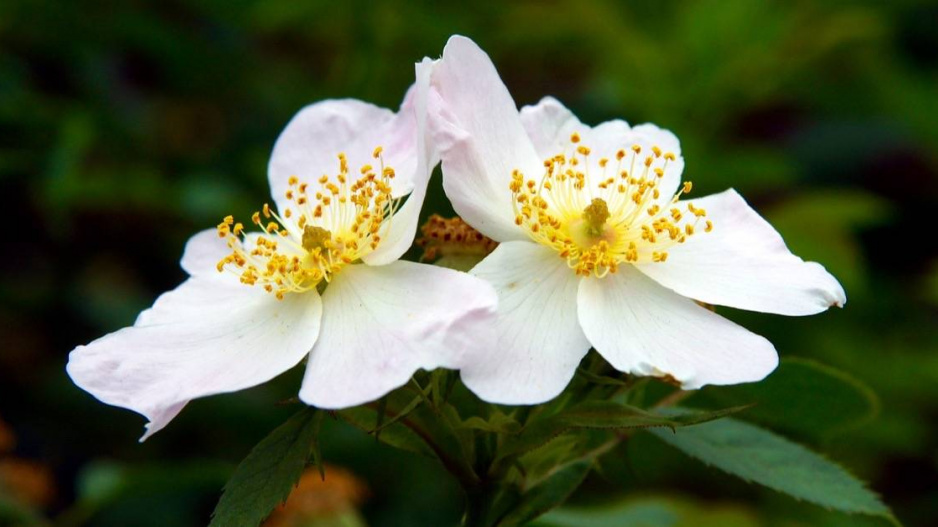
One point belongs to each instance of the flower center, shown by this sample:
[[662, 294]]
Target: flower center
[[316, 234], [597, 222]]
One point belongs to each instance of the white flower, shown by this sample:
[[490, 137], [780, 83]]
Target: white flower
[[598, 248], [252, 309]]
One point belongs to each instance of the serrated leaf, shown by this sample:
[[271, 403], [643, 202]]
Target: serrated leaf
[[268, 474], [547, 494], [498, 423], [763, 457], [600, 414], [804, 397], [600, 379], [396, 434], [648, 511], [382, 408]]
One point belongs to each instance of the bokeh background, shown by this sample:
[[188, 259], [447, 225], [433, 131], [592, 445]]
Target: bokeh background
[[126, 126]]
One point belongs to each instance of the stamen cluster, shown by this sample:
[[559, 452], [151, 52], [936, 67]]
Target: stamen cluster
[[320, 230], [452, 236], [599, 221]]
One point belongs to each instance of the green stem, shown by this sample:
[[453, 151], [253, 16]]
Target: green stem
[[480, 501]]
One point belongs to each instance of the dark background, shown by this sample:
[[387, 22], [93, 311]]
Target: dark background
[[127, 126]]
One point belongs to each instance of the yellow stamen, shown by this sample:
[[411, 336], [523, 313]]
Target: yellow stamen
[[598, 224]]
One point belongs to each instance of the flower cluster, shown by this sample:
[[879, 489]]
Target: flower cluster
[[586, 238]]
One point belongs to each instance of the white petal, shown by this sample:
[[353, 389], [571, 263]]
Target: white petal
[[540, 342], [400, 236], [310, 144], [203, 338], [549, 125], [744, 263], [645, 329], [202, 253], [476, 127], [382, 324]]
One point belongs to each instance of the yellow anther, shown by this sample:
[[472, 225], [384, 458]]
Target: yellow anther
[[583, 151], [688, 186], [637, 149], [656, 150], [377, 152], [574, 138], [669, 156], [293, 180], [266, 210]]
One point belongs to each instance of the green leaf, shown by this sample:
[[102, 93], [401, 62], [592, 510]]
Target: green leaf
[[657, 511], [498, 423], [599, 415], [758, 455], [804, 397], [382, 408], [601, 379], [268, 474], [547, 493], [396, 434]]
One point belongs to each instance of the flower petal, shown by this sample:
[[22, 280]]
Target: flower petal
[[549, 125], [382, 324], [403, 228], [203, 338], [540, 342], [476, 127], [643, 328], [310, 144], [202, 253], [744, 263]]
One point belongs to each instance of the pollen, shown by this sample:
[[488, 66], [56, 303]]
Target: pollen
[[323, 227], [604, 214]]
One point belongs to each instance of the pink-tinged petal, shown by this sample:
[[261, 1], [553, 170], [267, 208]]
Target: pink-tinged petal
[[549, 124], [202, 253], [477, 129], [744, 263], [540, 342], [645, 329], [309, 146], [382, 324], [400, 235], [203, 338]]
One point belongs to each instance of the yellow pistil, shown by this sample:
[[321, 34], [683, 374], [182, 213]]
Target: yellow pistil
[[318, 233], [597, 222]]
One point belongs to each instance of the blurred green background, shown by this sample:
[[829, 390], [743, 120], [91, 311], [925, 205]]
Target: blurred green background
[[126, 126]]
